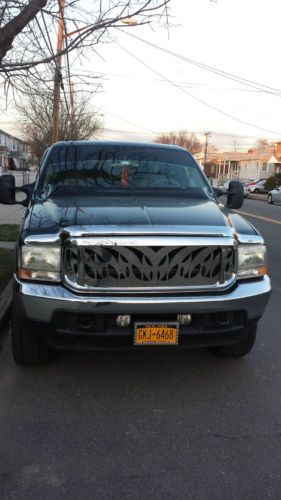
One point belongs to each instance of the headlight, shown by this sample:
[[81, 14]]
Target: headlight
[[252, 261], [40, 263]]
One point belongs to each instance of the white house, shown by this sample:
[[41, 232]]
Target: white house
[[255, 164], [13, 152]]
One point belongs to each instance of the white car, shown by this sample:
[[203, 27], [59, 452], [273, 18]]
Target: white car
[[256, 187], [274, 196], [224, 187]]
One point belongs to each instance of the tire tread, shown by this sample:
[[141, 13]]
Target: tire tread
[[239, 349], [26, 348]]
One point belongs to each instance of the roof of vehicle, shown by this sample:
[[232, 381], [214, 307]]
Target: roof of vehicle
[[120, 143]]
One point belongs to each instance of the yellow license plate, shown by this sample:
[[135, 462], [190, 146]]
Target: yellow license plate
[[156, 333]]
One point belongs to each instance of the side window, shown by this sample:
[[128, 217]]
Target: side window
[[194, 177]]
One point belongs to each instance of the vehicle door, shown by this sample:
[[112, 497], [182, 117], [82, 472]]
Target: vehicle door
[[277, 195]]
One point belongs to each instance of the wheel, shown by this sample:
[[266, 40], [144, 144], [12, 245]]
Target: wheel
[[26, 348], [269, 199], [239, 349], [256, 191]]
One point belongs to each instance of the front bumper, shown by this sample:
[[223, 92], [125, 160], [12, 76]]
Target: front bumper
[[53, 313], [39, 302]]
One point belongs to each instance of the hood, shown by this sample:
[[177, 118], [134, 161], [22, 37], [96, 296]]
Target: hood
[[138, 215], [56, 214]]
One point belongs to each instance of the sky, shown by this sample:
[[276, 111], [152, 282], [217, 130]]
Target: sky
[[147, 91]]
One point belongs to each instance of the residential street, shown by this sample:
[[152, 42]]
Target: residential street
[[149, 425]]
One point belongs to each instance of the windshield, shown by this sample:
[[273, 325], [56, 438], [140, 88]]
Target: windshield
[[80, 168]]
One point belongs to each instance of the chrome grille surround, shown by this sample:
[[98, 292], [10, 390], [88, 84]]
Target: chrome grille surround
[[149, 264]]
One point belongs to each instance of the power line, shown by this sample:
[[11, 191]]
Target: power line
[[198, 132], [147, 130], [244, 81], [119, 131], [194, 85], [201, 101]]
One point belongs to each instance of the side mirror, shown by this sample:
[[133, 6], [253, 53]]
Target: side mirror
[[28, 190], [220, 191], [7, 189], [235, 195]]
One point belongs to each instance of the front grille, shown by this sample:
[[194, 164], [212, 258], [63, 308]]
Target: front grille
[[148, 267]]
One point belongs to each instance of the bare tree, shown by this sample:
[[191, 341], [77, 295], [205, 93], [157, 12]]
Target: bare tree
[[212, 151], [28, 30], [181, 138], [76, 123], [262, 143]]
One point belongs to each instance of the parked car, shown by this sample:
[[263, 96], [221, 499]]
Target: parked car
[[256, 187], [224, 187], [254, 181], [274, 196], [125, 245], [246, 192]]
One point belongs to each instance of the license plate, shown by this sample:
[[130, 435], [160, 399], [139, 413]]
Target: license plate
[[156, 333]]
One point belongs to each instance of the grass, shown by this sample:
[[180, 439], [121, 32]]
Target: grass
[[9, 232], [6, 266]]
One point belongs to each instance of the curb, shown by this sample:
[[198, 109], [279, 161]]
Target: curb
[[260, 197], [5, 303]]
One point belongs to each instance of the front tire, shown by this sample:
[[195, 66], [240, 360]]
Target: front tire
[[25, 346], [256, 191], [240, 348], [269, 199]]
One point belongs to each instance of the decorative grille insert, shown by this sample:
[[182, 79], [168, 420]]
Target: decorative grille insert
[[120, 267]]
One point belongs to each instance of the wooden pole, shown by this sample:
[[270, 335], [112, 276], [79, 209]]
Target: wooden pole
[[58, 78], [71, 99], [206, 148]]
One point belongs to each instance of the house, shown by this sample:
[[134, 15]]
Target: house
[[275, 159], [254, 164], [13, 152], [212, 163]]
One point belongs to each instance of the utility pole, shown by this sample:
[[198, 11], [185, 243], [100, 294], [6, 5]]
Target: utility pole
[[72, 99], [58, 77], [206, 147]]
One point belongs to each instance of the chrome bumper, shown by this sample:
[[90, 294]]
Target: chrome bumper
[[39, 302]]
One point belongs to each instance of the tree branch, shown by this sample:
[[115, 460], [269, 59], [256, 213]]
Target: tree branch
[[17, 24]]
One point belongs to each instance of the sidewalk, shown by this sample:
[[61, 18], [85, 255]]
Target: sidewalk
[[11, 214], [10, 245]]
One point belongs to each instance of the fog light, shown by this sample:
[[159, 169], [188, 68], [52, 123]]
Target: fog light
[[86, 322], [184, 319], [123, 320]]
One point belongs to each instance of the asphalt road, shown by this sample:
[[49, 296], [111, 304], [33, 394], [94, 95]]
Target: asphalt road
[[147, 425]]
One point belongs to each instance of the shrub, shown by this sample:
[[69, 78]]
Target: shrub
[[278, 178], [270, 183], [273, 182]]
